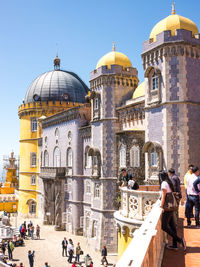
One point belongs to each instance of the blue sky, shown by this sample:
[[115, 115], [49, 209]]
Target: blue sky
[[84, 31]]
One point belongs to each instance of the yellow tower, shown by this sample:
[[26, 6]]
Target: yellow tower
[[8, 199], [51, 92]]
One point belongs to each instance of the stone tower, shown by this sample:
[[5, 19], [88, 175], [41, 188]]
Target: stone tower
[[171, 61], [111, 83]]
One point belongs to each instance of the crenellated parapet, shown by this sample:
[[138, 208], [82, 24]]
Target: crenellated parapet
[[167, 45], [116, 75], [44, 107]]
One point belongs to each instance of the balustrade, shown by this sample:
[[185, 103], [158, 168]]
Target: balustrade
[[137, 204]]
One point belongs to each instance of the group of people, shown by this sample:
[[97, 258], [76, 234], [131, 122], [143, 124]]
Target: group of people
[[28, 231], [170, 184], [126, 179], [69, 251]]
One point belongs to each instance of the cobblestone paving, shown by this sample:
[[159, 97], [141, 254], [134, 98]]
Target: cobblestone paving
[[49, 248]]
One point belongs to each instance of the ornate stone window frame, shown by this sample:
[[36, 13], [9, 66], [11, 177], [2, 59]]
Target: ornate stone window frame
[[46, 158], [122, 156], [155, 165], [96, 161], [56, 157], [88, 187], [88, 159], [96, 104], [154, 85], [69, 161], [97, 192], [135, 156]]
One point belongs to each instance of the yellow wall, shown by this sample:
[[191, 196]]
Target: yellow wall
[[123, 242], [9, 206]]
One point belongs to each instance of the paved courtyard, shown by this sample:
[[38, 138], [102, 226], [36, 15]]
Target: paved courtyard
[[49, 248]]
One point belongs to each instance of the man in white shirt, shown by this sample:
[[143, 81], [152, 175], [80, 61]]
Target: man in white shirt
[[193, 197]]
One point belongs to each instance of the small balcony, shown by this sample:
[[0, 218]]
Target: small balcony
[[52, 172], [136, 204]]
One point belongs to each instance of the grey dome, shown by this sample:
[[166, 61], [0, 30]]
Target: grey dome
[[57, 85]]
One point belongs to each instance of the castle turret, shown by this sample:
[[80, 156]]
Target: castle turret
[[171, 61]]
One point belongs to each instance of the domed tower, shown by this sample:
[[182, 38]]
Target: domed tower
[[49, 93], [171, 60], [111, 83]]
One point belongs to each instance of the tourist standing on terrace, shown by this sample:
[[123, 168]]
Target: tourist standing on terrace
[[125, 177], [187, 175], [193, 196], [168, 223], [177, 188]]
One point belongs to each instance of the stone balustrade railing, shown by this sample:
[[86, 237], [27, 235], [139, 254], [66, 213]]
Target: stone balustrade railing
[[136, 204], [147, 246]]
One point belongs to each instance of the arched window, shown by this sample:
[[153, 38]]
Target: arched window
[[46, 159], [56, 157], [122, 156], [135, 156], [33, 157], [56, 133], [155, 80], [154, 158], [88, 187], [95, 161], [32, 206], [33, 179], [88, 159], [69, 157], [97, 190]]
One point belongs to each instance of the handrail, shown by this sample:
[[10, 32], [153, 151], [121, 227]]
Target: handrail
[[147, 246]]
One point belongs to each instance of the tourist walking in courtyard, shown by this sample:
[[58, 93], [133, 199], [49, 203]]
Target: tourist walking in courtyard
[[64, 247], [3, 247], [193, 196], [10, 250], [70, 250], [88, 260], [104, 255], [78, 252], [38, 231], [168, 223], [32, 231], [31, 257]]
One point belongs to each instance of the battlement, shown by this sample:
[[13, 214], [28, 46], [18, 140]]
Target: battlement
[[45, 105], [115, 69], [181, 36]]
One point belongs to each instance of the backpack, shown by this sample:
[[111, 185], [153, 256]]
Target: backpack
[[135, 186]]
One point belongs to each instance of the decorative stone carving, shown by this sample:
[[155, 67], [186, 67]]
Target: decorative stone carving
[[133, 206]]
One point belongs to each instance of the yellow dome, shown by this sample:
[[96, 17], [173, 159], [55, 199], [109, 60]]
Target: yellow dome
[[114, 58], [139, 91], [172, 23]]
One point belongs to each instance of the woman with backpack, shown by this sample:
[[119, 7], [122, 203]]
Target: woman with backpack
[[168, 223]]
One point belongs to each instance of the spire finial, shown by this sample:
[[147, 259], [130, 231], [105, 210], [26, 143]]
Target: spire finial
[[173, 8], [113, 46], [56, 60]]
